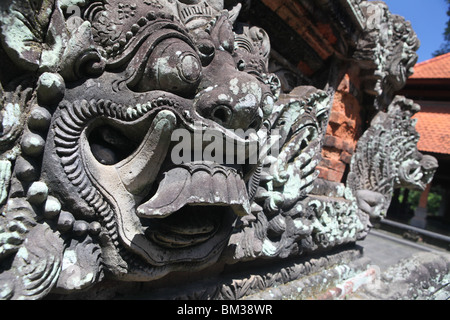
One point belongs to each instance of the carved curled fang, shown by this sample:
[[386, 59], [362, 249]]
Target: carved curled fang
[[138, 171]]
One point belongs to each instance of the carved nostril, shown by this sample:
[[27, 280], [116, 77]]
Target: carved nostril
[[256, 124], [222, 114]]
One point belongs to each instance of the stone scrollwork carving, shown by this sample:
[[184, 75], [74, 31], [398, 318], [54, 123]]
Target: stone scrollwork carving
[[387, 158]]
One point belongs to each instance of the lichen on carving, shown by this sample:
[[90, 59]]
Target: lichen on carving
[[386, 53], [113, 116], [387, 157]]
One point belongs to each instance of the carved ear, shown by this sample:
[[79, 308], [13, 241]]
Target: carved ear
[[81, 58], [234, 13]]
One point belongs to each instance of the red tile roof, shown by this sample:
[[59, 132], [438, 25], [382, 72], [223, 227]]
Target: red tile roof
[[433, 126], [436, 68]]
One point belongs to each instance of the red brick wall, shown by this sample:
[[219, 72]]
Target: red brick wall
[[344, 129]]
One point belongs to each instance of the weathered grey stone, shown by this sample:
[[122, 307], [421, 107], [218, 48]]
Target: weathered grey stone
[[37, 193], [386, 53], [151, 138]]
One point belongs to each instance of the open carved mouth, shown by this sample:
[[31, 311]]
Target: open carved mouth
[[411, 173], [192, 203], [175, 206]]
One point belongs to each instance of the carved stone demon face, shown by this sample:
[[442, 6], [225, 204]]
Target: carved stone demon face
[[110, 151]]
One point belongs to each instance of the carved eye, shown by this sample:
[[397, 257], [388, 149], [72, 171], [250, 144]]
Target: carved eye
[[189, 67], [173, 66]]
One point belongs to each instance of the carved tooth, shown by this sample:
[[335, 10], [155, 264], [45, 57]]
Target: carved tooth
[[140, 169], [233, 194], [84, 107], [165, 203]]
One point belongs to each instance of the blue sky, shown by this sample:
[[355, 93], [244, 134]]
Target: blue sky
[[428, 18]]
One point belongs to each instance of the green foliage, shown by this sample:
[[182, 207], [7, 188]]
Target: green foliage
[[434, 199]]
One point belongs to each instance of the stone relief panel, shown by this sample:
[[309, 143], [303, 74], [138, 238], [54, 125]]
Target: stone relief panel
[[142, 138]]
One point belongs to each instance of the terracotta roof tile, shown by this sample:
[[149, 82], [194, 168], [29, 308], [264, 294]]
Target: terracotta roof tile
[[433, 125], [436, 68]]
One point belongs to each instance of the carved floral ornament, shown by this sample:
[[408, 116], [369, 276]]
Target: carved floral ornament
[[113, 91]]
